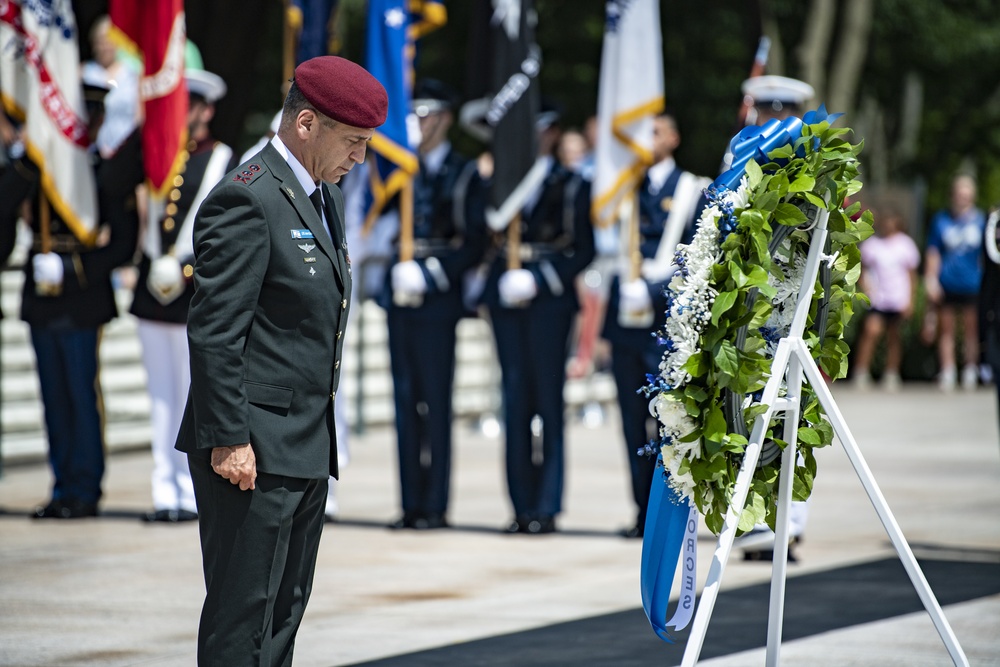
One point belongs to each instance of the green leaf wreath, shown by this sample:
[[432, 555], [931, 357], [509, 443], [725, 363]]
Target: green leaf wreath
[[732, 300]]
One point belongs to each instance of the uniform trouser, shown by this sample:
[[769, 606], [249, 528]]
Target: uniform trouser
[[422, 354], [168, 372], [630, 363], [71, 397], [259, 552], [532, 344]]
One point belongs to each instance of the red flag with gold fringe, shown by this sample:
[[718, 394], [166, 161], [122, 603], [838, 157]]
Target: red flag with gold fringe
[[155, 31]]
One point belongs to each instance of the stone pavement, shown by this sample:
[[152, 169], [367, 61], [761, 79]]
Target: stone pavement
[[112, 591]]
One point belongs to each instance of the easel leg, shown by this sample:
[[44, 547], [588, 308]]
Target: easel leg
[[779, 563], [699, 627], [882, 509]]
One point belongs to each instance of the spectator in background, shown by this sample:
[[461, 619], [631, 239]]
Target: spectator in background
[[952, 275], [889, 262], [122, 110]]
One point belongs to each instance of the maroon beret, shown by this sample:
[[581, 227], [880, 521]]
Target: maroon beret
[[343, 90]]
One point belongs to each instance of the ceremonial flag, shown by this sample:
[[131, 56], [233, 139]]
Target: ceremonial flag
[[312, 20], [630, 94], [155, 31], [393, 28], [513, 109], [40, 78]]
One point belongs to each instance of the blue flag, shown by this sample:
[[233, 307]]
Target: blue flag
[[312, 20], [393, 28]]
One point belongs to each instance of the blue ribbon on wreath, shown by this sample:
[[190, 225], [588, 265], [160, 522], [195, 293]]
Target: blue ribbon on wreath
[[663, 536], [756, 142]]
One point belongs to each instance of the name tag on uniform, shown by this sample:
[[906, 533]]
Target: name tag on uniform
[[302, 234]]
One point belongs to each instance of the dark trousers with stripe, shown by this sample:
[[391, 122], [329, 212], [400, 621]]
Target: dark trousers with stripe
[[630, 362], [71, 397], [259, 553], [422, 355], [532, 345]]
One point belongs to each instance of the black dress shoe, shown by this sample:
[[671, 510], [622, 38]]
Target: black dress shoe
[[65, 509], [767, 555], [634, 532], [169, 516], [408, 520], [431, 522], [518, 524], [541, 525]]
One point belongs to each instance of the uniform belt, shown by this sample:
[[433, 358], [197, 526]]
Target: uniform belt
[[534, 252], [423, 248], [62, 243]]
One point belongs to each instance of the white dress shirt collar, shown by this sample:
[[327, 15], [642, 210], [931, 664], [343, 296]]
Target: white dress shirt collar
[[300, 172], [434, 158], [659, 173]]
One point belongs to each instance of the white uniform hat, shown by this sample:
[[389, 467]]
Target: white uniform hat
[[206, 85], [777, 91]]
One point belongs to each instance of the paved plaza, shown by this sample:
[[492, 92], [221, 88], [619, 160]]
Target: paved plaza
[[112, 591]]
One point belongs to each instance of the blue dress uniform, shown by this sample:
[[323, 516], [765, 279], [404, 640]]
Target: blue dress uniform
[[533, 341], [65, 328], [449, 239], [635, 351]]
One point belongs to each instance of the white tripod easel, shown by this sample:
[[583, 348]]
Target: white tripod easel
[[791, 360]]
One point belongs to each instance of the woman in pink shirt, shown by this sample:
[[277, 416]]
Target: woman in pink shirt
[[889, 262]]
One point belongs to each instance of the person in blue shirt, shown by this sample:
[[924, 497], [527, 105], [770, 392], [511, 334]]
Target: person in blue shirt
[[952, 275]]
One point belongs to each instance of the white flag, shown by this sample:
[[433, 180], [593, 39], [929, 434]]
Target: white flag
[[40, 79], [629, 97]]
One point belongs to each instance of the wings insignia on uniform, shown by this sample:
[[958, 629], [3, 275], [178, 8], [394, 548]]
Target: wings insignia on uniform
[[307, 247]]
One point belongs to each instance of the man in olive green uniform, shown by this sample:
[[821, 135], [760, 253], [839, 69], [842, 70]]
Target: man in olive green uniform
[[265, 328]]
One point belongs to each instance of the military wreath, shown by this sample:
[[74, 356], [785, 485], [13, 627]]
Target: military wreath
[[732, 300]]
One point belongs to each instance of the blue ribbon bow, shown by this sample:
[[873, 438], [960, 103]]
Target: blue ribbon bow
[[755, 142]]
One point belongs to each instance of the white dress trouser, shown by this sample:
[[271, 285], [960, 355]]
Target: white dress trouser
[[165, 356]]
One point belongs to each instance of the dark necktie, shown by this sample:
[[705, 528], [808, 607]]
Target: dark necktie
[[317, 199]]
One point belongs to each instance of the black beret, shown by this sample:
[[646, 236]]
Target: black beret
[[343, 91]]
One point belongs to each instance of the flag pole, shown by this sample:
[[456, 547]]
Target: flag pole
[[288, 44], [406, 222], [514, 243], [634, 251]]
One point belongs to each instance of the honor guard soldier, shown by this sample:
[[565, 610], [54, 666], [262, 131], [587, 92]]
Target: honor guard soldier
[[531, 296], [775, 97], [669, 202], [67, 298], [163, 292], [423, 298]]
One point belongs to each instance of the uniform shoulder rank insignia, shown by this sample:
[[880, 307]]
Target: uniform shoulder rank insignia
[[246, 175]]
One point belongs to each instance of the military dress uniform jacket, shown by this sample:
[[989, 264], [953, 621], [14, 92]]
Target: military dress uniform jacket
[[449, 235], [87, 299], [144, 304], [657, 210], [266, 323], [557, 242]]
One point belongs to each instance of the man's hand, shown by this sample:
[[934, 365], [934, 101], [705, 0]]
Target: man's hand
[[238, 464]]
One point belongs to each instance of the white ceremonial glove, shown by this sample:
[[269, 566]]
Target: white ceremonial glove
[[517, 286], [634, 296], [166, 279], [635, 307], [48, 270], [409, 278]]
